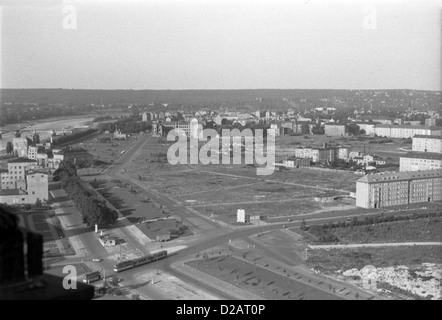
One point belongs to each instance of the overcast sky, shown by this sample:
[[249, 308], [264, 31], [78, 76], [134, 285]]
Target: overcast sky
[[222, 45]]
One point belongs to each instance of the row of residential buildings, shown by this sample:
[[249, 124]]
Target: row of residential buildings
[[23, 182], [327, 154], [419, 178], [426, 154]]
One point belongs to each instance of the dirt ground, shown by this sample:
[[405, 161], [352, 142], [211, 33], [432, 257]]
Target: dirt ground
[[258, 280], [219, 190]]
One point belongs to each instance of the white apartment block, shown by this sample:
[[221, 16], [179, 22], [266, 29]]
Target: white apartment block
[[394, 131], [425, 143], [367, 127], [398, 188], [343, 153], [420, 161]]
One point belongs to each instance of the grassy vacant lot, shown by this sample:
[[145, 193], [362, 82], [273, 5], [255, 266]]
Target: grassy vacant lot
[[221, 189], [343, 259], [429, 229], [258, 280], [418, 230]]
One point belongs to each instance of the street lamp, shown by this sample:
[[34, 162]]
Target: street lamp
[[157, 265]]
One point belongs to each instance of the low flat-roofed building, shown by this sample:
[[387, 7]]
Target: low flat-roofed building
[[13, 196], [398, 188]]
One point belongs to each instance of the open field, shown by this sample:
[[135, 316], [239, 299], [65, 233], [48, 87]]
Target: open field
[[419, 230], [257, 280], [104, 149], [222, 189], [137, 208]]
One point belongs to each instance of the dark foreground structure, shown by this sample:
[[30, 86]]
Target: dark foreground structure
[[21, 267]]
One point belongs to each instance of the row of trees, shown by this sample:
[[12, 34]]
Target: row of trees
[[73, 137], [93, 210], [126, 126]]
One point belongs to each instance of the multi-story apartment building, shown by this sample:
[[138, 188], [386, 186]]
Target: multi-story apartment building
[[15, 178], [36, 187], [32, 152], [343, 153], [394, 131], [398, 188], [318, 155], [181, 127], [425, 143], [430, 122], [419, 161]]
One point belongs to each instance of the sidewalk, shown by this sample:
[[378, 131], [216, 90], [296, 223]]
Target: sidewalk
[[62, 212]]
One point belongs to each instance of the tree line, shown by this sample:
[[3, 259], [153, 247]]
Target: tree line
[[73, 137], [126, 126], [93, 210]]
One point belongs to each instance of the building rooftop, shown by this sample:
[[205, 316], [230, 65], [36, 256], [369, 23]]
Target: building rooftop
[[423, 155], [11, 192], [22, 160], [69, 150], [335, 124], [400, 176], [405, 126]]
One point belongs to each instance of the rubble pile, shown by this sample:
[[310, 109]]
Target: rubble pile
[[423, 280]]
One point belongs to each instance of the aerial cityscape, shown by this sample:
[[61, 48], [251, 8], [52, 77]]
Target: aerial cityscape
[[181, 166]]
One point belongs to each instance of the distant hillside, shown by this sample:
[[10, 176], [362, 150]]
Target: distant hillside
[[66, 96]]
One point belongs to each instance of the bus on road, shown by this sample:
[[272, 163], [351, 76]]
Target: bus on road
[[91, 277]]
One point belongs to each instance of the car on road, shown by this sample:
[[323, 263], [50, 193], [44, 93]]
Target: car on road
[[97, 260]]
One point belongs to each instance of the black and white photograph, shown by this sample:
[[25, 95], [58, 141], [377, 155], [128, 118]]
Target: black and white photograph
[[228, 156]]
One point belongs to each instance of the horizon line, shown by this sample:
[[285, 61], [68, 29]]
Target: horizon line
[[241, 89]]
